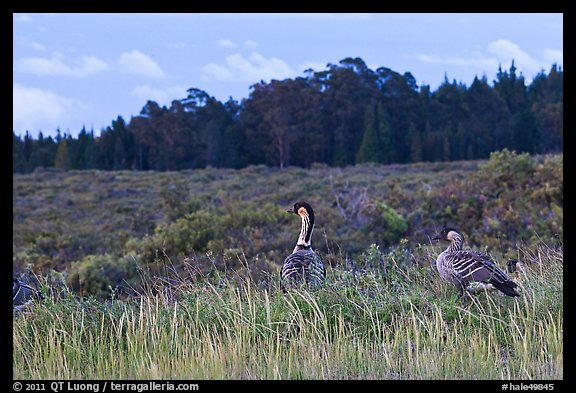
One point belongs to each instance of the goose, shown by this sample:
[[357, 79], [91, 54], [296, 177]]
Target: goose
[[515, 266], [470, 270], [304, 264], [23, 295], [516, 269]]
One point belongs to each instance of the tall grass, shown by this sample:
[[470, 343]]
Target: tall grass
[[364, 324]]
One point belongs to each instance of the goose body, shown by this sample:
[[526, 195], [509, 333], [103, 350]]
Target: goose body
[[470, 270], [304, 265], [23, 295]]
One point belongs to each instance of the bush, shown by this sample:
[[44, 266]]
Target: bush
[[386, 224], [99, 275]]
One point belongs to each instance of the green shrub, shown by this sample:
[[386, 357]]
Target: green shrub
[[506, 170], [100, 274], [386, 224]]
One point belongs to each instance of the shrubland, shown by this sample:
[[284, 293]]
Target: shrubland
[[101, 228], [174, 275]]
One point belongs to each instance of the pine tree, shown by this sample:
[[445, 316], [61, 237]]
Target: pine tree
[[415, 141], [370, 149], [386, 155], [62, 160]]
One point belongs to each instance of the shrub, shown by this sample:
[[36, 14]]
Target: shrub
[[386, 224], [100, 274]]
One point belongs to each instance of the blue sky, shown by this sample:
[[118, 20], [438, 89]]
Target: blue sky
[[75, 70]]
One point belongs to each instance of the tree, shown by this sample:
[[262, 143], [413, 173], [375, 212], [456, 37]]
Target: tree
[[512, 89], [18, 160], [415, 140], [344, 114], [62, 160], [525, 135], [387, 155], [376, 144], [371, 146], [490, 117], [347, 90], [545, 96]]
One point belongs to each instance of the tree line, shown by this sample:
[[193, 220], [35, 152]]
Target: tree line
[[344, 115]]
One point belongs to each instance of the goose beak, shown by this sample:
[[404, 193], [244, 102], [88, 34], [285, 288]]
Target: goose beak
[[437, 237], [291, 210]]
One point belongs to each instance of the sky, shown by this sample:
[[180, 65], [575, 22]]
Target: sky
[[84, 70]]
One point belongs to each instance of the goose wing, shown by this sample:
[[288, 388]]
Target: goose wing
[[476, 266], [22, 294]]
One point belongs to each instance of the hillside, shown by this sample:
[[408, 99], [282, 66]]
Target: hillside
[[174, 275], [81, 222]]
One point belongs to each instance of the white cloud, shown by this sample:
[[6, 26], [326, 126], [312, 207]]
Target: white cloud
[[55, 66], [36, 109], [21, 18], [218, 71], [554, 55], [314, 65], [478, 61], [28, 43], [506, 51], [138, 63], [226, 43], [160, 96], [178, 45], [430, 59], [499, 52], [314, 16], [250, 44], [252, 69]]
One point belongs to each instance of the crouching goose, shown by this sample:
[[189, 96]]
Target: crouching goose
[[23, 295], [304, 264], [470, 270]]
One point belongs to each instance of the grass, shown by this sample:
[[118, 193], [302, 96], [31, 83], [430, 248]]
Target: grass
[[402, 323]]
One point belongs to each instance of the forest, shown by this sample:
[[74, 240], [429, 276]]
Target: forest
[[345, 115]]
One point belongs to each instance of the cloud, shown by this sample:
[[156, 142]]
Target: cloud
[[314, 65], [226, 43], [55, 66], [252, 69], [36, 109], [430, 59], [499, 52], [28, 43], [21, 18], [250, 44], [314, 16], [178, 45], [506, 50], [554, 56], [160, 96], [136, 62], [478, 61]]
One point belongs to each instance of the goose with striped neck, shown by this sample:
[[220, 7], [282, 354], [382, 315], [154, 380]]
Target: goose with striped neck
[[470, 270], [304, 264]]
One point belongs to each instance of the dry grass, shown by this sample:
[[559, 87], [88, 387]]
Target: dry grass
[[361, 325]]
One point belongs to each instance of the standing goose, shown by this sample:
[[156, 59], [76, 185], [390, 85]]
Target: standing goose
[[23, 295], [304, 264], [470, 270]]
